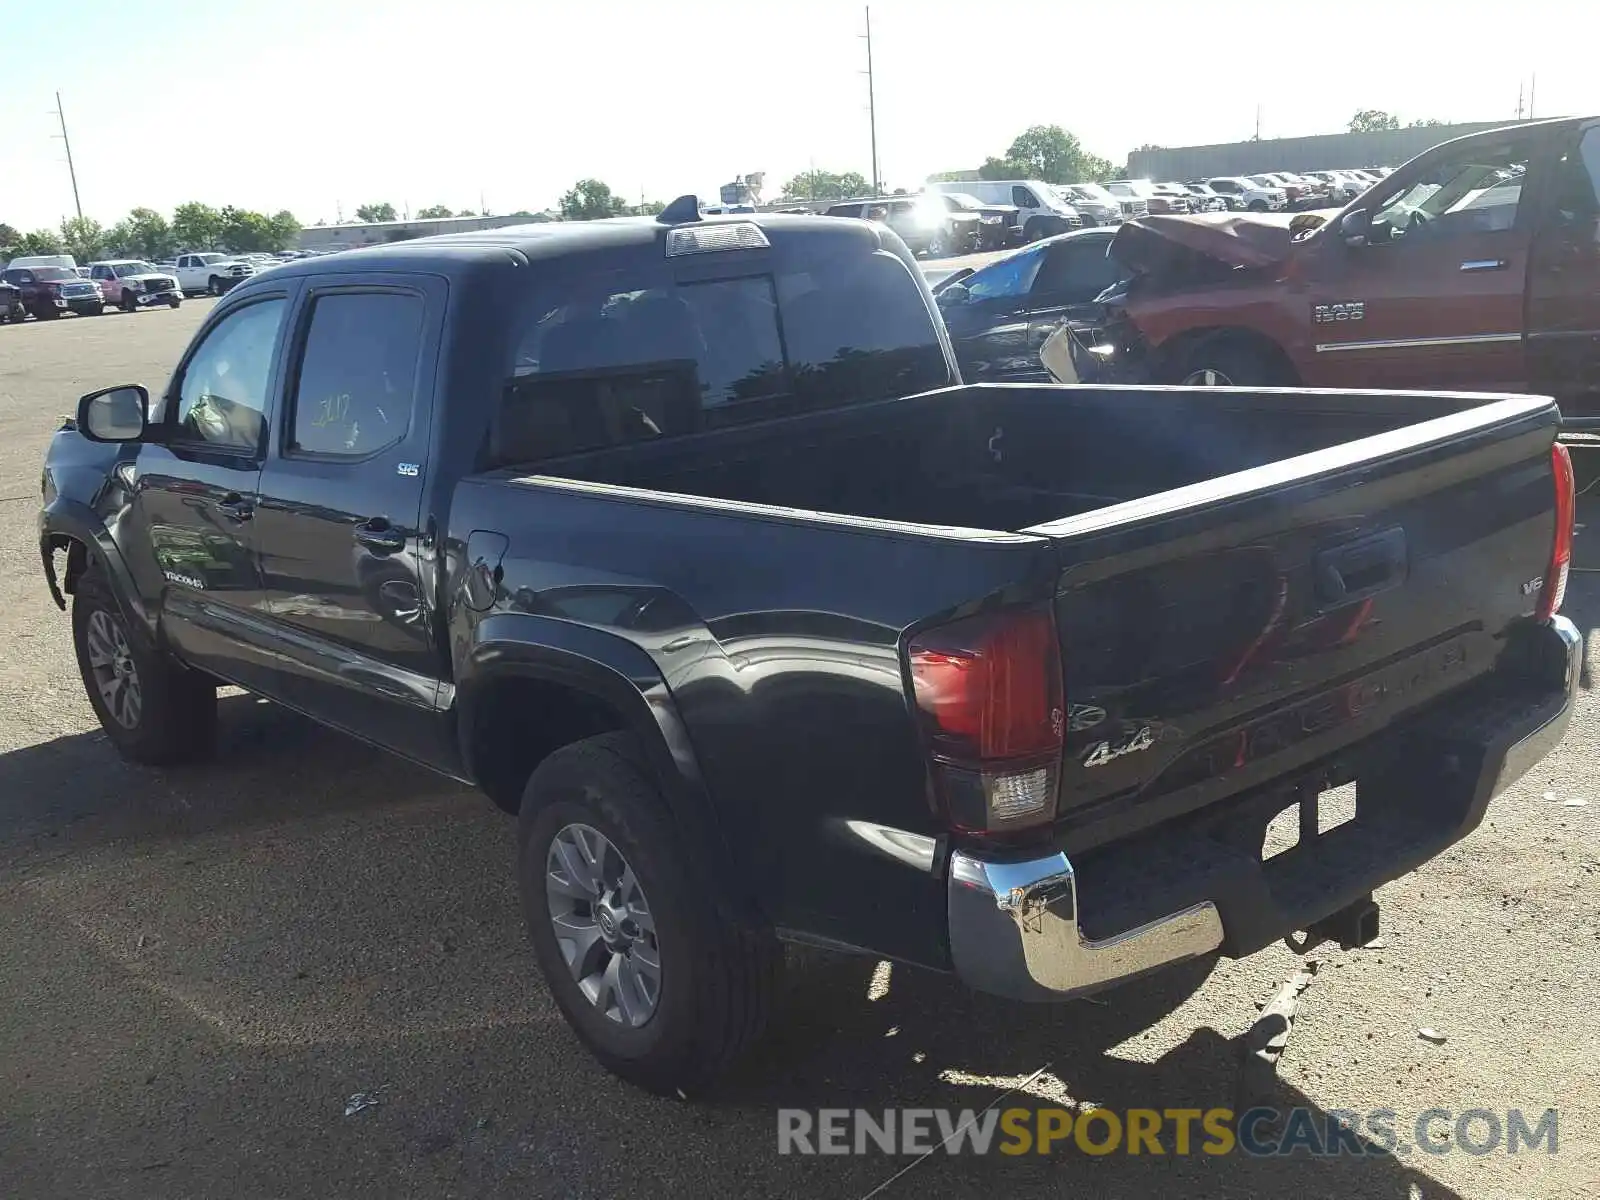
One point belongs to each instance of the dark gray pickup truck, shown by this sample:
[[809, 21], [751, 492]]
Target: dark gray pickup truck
[[681, 538]]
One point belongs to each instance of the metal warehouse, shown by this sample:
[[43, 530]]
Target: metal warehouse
[[1385, 148]]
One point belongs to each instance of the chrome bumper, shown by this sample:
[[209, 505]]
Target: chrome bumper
[[1014, 932], [1014, 925]]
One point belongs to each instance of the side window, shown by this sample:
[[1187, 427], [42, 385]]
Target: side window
[[24, 277], [1577, 190], [1023, 198], [357, 382], [1476, 190], [97, 273], [223, 394], [1076, 271], [1006, 279]]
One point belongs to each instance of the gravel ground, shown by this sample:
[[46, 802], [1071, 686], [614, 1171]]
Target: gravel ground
[[198, 968]]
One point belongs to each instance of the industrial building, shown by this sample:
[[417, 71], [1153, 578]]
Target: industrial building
[[375, 233], [1384, 148]]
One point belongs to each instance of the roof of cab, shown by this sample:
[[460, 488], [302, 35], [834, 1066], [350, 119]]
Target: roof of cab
[[530, 243]]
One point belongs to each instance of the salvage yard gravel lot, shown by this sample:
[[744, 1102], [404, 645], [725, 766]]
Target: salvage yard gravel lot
[[199, 969]]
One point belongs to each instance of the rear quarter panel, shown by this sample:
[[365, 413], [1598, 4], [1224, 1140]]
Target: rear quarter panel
[[778, 636]]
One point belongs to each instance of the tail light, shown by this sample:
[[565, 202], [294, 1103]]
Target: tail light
[[989, 693], [1554, 589]]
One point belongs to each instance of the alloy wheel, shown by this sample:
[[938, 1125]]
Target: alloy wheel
[[115, 676], [603, 925]]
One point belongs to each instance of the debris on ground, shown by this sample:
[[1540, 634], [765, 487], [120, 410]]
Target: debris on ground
[[1431, 1035], [1264, 1043], [1550, 796], [361, 1100], [1574, 803]]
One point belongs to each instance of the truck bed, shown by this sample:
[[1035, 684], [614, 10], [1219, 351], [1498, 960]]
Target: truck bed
[[1004, 456]]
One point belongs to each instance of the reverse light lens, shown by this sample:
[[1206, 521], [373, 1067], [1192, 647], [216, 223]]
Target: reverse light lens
[[1554, 590], [1013, 797]]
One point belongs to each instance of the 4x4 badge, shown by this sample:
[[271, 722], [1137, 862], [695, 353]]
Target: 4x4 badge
[[1105, 752]]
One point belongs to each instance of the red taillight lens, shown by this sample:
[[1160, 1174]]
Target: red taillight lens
[[1555, 576], [989, 690]]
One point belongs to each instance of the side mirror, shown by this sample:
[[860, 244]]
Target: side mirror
[[1354, 227], [115, 414], [954, 296]]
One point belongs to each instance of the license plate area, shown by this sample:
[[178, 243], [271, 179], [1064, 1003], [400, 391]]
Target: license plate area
[[1314, 814]]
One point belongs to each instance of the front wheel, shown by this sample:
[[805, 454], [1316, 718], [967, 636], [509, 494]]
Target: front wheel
[[1230, 362], [1035, 231], [937, 246], [1257, 206], [128, 303], [46, 313], [658, 977], [176, 302], [97, 310], [215, 286], [154, 710]]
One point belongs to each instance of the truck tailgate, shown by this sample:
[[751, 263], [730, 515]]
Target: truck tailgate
[[1224, 635]]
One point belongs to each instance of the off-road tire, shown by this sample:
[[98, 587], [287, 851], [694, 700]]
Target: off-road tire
[[177, 720], [719, 971]]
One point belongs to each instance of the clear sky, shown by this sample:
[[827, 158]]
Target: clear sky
[[314, 106]]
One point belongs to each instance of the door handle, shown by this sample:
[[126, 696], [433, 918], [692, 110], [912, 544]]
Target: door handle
[[1484, 264], [379, 536], [1361, 568], [236, 507]]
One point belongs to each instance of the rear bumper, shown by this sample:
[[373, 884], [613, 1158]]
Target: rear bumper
[[1045, 928]]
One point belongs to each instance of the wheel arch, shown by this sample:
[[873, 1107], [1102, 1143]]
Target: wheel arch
[[581, 682], [72, 527]]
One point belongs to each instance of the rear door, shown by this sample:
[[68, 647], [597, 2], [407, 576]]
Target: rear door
[[339, 525], [1434, 298], [1564, 284]]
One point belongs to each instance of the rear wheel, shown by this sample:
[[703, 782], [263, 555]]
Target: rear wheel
[[645, 957], [1227, 362], [153, 709]]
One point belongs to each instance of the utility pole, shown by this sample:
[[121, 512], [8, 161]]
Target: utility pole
[[1533, 90], [872, 107], [1519, 100], [71, 170], [1258, 123]]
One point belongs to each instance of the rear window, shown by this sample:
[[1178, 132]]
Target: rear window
[[604, 366]]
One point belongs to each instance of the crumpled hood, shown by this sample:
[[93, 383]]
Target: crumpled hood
[[1147, 245]]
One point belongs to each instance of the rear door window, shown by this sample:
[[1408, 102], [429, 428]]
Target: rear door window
[[612, 366], [357, 380]]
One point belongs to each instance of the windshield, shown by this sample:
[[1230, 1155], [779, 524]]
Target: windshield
[[1091, 191], [133, 268], [1266, 181], [962, 200], [208, 259], [53, 274]]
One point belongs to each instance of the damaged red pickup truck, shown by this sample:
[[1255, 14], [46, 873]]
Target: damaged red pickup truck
[[1474, 267]]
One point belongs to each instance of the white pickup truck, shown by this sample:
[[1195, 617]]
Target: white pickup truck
[[211, 272]]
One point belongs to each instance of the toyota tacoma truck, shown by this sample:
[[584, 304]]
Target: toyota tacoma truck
[[1475, 266], [683, 541]]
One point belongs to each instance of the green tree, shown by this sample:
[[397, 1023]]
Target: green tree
[[196, 226], [954, 176], [285, 230], [1428, 123], [376, 212], [1048, 153], [83, 238], [1373, 120], [590, 199], [648, 209], [10, 236], [826, 185], [244, 231], [433, 212], [146, 233], [40, 241]]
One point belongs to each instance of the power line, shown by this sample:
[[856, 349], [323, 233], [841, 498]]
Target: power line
[[71, 170]]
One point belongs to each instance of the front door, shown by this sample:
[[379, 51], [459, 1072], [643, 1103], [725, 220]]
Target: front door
[[1434, 296], [1564, 285], [1075, 271], [344, 551], [987, 316], [194, 492]]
